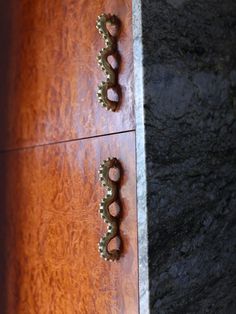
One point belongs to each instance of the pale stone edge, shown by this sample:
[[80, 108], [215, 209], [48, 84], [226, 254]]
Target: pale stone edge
[[140, 159]]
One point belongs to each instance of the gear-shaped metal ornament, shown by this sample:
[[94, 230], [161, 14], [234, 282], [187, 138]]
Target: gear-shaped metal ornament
[[112, 195], [102, 58]]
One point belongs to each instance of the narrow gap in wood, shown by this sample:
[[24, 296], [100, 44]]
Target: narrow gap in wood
[[61, 142]]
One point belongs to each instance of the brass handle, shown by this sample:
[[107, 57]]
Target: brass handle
[[109, 49], [112, 195]]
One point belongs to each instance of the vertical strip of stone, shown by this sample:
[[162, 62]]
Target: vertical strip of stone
[[140, 159]]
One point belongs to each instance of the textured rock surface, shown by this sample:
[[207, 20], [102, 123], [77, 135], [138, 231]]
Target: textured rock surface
[[190, 105]]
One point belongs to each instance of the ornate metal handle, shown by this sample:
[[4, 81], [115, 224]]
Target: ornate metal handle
[[109, 49], [112, 195]]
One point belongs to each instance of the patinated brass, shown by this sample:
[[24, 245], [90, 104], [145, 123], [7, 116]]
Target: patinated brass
[[109, 49], [112, 195]]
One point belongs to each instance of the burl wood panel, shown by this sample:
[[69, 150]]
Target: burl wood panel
[[49, 69], [50, 227]]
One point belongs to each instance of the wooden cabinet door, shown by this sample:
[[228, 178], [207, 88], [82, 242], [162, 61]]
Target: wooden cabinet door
[[49, 73], [50, 227]]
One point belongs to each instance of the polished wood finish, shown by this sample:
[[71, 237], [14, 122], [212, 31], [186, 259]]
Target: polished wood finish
[[50, 73], [50, 227]]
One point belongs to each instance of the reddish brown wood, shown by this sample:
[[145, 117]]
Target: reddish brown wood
[[50, 227], [48, 63]]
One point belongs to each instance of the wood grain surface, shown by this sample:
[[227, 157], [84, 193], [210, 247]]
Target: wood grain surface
[[50, 227], [50, 75]]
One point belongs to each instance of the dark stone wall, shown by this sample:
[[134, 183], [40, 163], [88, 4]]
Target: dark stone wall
[[190, 107]]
